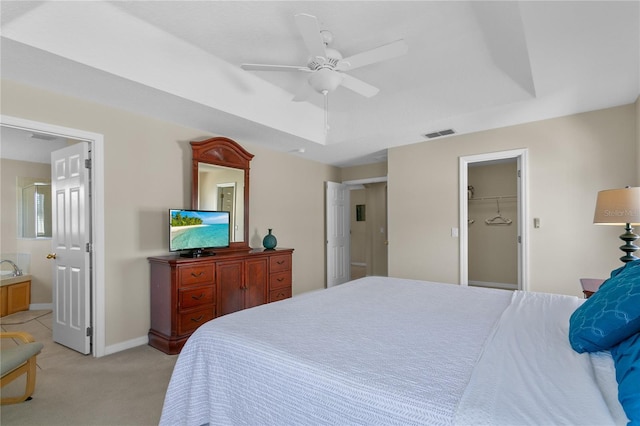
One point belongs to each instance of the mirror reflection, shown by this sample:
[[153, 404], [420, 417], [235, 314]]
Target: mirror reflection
[[222, 188], [35, 208]]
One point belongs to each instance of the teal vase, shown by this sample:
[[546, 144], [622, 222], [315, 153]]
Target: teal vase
[[269, 241]]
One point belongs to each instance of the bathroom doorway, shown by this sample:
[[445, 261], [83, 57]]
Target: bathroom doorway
[[44, 131]]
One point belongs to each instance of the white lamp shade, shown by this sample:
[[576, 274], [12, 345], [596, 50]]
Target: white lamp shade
[[618, 207], [325, 80]]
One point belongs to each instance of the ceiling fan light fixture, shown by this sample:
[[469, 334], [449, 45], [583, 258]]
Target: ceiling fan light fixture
[[325, 80]]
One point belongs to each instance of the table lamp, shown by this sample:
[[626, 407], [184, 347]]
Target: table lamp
[[620, 207]]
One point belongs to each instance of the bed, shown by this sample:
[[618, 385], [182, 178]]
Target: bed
[[394, 352]]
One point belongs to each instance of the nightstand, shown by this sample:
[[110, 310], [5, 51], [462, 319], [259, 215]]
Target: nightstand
[[590, 286]]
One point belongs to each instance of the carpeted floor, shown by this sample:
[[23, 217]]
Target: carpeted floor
[[126, 388]]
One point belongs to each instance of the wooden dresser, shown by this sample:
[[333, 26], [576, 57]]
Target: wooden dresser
[[187, 292]]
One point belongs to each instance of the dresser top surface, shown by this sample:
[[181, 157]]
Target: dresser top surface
[[256, 252]]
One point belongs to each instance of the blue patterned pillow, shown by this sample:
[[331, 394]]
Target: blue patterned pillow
[[626, 356], [611, 315]]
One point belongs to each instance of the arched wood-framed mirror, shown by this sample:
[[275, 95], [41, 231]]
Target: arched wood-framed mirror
[[220, 181]]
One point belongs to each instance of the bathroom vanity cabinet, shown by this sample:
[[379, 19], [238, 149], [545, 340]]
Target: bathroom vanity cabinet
[[15, 297]]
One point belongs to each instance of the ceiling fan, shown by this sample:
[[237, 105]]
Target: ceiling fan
[[327, 66]]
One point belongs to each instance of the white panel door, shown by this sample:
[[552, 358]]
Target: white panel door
[[338, 234], [70, 243]]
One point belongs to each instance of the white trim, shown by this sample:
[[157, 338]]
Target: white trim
[[40, 306], [129, 344], [366, 180], [505, 286], [96, 141], [523, 211]]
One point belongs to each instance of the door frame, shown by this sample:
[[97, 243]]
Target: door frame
[[96, 143], [521, 155]]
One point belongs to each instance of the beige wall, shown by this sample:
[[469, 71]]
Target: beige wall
[[570, 160], [10, 241], [358, 228], [493, 249], [147, 170], [637, 105], [364, 172]]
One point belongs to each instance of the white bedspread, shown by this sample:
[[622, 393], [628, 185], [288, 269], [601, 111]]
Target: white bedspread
[[382, 351], [373, 351], [528, 373]]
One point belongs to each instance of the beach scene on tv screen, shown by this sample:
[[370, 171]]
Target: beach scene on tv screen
[[194, 229]]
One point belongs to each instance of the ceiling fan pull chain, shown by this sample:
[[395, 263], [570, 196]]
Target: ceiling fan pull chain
[[326, 111]]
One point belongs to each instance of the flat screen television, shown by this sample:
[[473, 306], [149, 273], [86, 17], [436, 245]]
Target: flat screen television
[[194, 232]]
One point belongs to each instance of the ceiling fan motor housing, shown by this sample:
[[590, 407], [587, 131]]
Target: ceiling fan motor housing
[[331, 60]]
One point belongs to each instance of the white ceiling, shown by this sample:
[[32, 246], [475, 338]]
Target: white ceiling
[[471, 66]]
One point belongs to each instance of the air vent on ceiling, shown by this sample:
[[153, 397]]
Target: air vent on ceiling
[[440, 133]]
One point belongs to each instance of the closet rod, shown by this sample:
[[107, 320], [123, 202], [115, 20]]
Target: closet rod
[[497, 197]]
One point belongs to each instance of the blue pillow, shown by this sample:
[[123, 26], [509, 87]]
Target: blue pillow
[[611, 315], [626, 356]]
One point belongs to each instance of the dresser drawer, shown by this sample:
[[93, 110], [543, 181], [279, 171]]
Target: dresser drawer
[[190, 275], [280, 280], [197, 296], [189, 321], [279, 294], [279, 263]]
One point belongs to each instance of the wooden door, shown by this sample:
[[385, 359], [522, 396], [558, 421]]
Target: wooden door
[[230, 286], [255, 282]]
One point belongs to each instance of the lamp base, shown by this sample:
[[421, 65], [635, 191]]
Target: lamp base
[[629, 248]]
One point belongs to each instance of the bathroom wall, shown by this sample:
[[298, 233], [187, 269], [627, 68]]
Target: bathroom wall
[[10, 238]]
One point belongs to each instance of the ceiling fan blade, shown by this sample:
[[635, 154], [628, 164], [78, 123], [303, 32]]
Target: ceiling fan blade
[[382, 53], [359, 86], [310, 30], [263, 67]]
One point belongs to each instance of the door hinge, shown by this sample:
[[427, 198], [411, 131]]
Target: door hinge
[[88, 248], [519, 173], [89, 331], [87, 163], [519, 239]]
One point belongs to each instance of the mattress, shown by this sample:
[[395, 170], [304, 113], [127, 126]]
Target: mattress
[[381, 351]]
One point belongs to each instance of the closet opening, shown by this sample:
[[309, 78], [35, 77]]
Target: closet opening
[[493, 212]]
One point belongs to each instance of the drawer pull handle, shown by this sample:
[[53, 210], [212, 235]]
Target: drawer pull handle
[[280, 279], [280, 294], [280, 262], [197, 297], [199, 274], [197, 319]]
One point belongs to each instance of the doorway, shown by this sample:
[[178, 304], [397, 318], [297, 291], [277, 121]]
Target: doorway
[[356, 227], [95, 141], [498, 218]]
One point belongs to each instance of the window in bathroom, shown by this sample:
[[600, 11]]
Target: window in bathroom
[[36, 210]]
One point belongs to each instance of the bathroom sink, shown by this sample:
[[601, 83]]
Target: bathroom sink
[[7, 278]]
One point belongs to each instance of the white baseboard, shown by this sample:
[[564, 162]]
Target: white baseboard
[[505, 286], [112, 349], [40, 306], [123, 346]]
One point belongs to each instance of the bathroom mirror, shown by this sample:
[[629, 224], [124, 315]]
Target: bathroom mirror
[[220, 181]]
